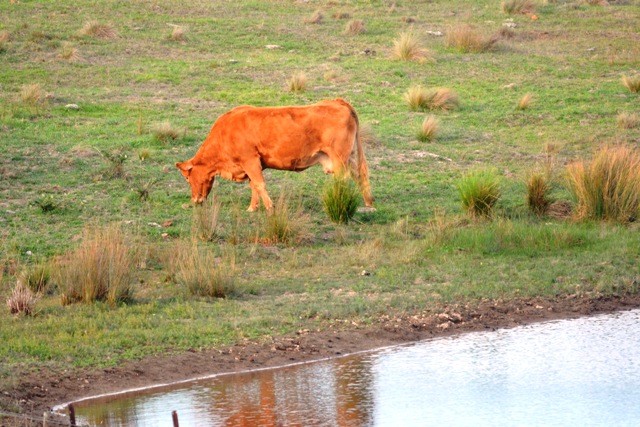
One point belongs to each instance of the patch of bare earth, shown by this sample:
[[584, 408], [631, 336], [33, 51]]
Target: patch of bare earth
[[39, 391]]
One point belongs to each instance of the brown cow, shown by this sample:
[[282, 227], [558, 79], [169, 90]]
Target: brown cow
[[247, 140]]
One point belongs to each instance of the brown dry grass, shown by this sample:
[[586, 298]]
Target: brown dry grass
[[525, 102], [354, 27], [517, 6], [22, 300], [298, 82], [420, 98], [31, 94], [69, 53], [429, 129], [408, 47], [100, 31], [631, 83], [466, 39], [628, 120]]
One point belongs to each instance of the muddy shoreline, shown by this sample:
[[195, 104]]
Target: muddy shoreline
[[40, 391]]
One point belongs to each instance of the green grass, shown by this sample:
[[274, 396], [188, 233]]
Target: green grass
[[64, 169]]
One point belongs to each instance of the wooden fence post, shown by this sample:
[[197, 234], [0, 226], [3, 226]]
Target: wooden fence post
[[174, 415], [72, 416], [45, 419]]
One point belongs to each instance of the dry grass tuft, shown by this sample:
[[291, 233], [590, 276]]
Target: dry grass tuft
[[283, 224], [465, 39], [628, 120], [525, 102], [368, 135], [607, 187], [513, 7], [201, 271], [429, 129], [342, 15], [165, 132], [98, 30], [69, 53], [538, 188], [178, 34], [419, 98], [31, 94], [354, 27], [206, 219], [5, 36], [316, 18], [36, 277], [298, 82], [99, 269], [631, 83], [408, 47], [22, 300]]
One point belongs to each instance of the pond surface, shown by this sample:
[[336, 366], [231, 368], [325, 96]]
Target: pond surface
[[583, 372]]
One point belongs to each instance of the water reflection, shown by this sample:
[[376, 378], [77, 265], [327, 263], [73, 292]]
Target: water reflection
[[582, 372]]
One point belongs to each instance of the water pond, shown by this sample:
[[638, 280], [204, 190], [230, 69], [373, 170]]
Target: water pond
[[583, 372]]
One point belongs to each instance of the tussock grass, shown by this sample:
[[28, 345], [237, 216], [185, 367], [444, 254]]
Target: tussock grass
[[284, 224], [340, 199], [429, 129], [178, 34], [5, 38], [607, 187], [206, 219], [408, 47], [22, 300], [165, 132], [36, 277], [479, 191], [99, 269], [628, 120], [31, 94], [525, 102], [420, 98], [316, 18], [513, 7], [69, 53], [298, 82], [467, 40], [201, 272], [538, 199], [631, 83], [97, 30], [354, 27]]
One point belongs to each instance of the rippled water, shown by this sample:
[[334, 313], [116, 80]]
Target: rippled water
[[583, 372]]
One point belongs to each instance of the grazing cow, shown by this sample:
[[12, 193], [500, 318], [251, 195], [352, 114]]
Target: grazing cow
[[246, 140]]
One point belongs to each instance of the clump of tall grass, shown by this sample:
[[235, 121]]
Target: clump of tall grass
[[420, 98], [465, 39], [178, 34], [99, 269], [631, 83], [628, 120], [69, 53], [513, 7], [298, 82], [283, 224], [5, 38], [36, 277], [201, 272], [165, 132], [429, 129], [340, 199], [538, 199], [101, 31], [525, 102], [479, 191], [354, 27], [22, 300], [607, 187], [408, 47], [316, 18], [31, 94], [206, 219]]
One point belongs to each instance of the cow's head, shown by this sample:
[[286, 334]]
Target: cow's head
[[199, 177]]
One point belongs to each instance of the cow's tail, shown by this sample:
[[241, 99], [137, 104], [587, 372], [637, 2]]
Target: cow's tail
[[362, 168]]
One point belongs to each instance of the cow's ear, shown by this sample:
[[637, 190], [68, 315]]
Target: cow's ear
[[184, 166]]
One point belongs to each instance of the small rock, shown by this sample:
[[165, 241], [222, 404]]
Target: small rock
[[273, 46], [72, 107]]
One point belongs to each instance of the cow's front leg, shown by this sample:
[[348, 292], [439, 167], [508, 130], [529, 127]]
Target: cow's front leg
[[258, 187], [255, 199]]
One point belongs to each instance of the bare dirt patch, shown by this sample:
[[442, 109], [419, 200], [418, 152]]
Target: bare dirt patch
[[40, 391]]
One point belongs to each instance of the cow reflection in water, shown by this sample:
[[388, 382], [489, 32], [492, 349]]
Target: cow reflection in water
[[340, 396], [246, 140]]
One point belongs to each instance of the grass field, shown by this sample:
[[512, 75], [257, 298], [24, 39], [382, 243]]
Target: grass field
[[147, 95]]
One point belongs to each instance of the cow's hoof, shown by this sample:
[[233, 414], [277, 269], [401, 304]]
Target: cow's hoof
[[251, 209]]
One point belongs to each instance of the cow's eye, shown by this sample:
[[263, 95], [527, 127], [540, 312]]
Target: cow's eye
[[187, 178]]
